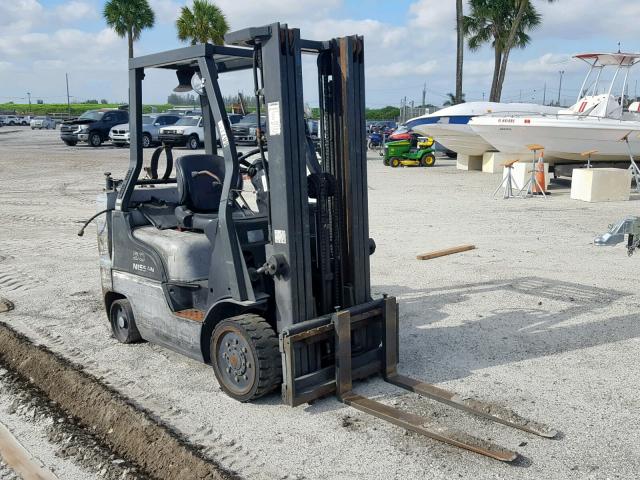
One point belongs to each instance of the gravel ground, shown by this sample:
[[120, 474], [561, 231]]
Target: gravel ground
[[537, 319]]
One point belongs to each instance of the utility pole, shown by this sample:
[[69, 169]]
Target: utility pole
[[404, 110], [68, 101], [544, 94], [29, 96], [483, 96], [561, 72], [520, 97], [424, 94]]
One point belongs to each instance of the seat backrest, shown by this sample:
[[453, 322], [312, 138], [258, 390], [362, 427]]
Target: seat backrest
[[200, 194]]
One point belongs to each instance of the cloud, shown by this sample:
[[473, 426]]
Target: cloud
[[19, 16], [167, 11], [75, 10]]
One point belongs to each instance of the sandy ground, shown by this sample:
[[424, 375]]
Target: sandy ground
[[537, 319]]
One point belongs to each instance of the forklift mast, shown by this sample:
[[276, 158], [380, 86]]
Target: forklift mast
[[330, 270]]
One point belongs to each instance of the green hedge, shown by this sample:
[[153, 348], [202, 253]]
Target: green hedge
[[76, 108]]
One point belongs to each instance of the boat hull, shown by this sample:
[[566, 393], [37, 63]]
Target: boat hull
[[562, 139], [457, 137], [450, 126]]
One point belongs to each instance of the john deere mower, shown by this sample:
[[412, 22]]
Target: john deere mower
[[410, 153]]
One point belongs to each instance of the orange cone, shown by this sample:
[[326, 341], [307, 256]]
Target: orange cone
[[540, 180]]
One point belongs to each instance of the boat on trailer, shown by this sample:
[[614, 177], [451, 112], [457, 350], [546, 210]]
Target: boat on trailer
[[597, 121], [450, 125]]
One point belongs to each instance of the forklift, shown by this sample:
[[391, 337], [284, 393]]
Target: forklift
[[275, 295]]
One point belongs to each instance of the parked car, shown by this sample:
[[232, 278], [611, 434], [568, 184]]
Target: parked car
[[245, 131], [151, 125], [188, 131], [92, 126], [10, 120], [42, 122], [25, 120]]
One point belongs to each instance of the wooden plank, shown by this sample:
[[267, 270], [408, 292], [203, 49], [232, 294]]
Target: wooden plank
[[20, 460], [446, 251]]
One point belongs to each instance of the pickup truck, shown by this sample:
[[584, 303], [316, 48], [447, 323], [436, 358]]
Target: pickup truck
[[151, 125], [245, 131], [92, 126], [188, 131]]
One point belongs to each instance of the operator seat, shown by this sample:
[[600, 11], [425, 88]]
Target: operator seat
[[199, 194]]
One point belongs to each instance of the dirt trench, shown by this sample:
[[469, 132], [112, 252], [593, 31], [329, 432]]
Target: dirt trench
[[127, 429]]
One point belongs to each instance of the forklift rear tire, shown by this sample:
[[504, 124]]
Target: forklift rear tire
[[245, 357], [395, 162], [123, 325]]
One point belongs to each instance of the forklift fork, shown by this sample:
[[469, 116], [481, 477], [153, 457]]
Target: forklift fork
[[410, 421]]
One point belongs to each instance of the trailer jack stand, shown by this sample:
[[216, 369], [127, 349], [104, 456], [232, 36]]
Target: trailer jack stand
[[410, 421]]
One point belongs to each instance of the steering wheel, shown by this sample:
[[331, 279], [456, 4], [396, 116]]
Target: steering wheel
[[247, 167]]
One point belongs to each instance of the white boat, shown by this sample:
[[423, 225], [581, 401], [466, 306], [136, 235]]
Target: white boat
[[450, 126], [597, 121]]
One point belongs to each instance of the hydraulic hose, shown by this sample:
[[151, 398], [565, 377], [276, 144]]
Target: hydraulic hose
[[86, 224]]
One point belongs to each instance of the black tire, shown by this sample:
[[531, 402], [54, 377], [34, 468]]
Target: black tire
[[193, 143], [123, 325], [385, 162], [70, 143], [146, 140], [245, 357], [95, 140]]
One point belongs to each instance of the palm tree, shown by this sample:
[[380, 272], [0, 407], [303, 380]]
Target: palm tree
[[452, 100], [490, 21], [524, 7], [460, 49], [204, 23], [128, 18]]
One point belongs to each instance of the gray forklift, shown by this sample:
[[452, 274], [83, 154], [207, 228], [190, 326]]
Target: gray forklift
[[276, 295]]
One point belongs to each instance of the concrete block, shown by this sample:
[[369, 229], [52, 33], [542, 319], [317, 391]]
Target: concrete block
[[469, 162], [522, 173], [600, 184], [492, 162]]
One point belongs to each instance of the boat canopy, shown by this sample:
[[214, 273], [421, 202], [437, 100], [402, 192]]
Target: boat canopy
[[604, 59]]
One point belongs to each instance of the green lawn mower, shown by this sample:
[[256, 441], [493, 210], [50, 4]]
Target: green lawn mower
[[407, 153]]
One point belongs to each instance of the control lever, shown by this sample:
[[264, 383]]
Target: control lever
[[275, 265], [206, 172]]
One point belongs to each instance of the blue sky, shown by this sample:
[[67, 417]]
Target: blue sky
[[407, 43]]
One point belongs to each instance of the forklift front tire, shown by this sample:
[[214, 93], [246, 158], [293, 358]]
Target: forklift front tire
[[245, 357], [123, 325]]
